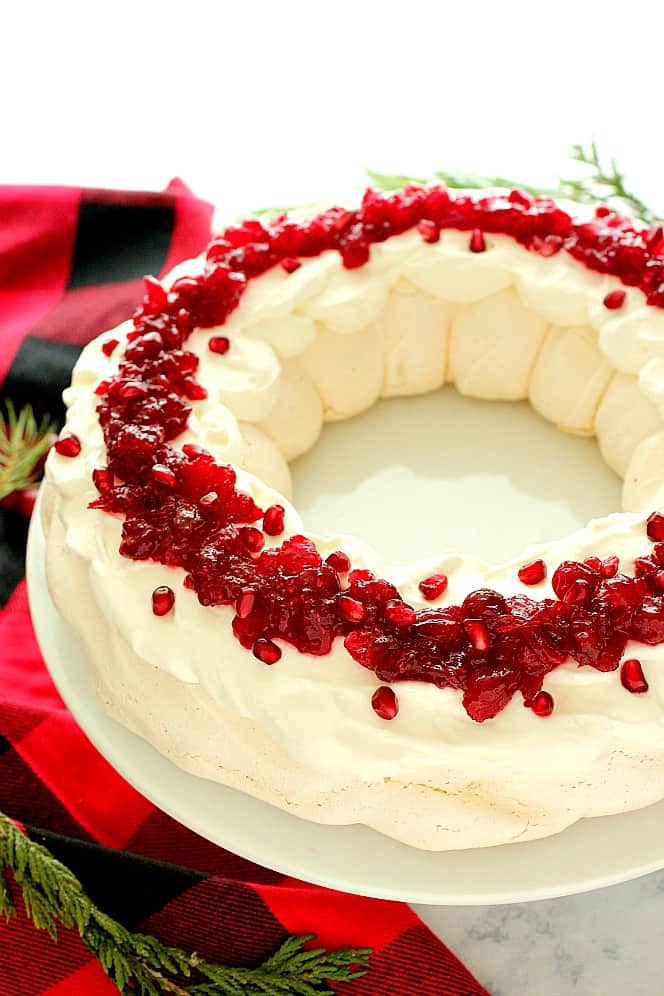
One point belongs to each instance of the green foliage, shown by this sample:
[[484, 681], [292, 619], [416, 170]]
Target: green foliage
[[140, 964], [23, 441], [599, 184]]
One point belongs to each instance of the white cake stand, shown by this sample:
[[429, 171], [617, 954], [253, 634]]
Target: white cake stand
[[589, 855]]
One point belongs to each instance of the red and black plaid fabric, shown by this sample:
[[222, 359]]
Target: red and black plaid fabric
[[71, 263]]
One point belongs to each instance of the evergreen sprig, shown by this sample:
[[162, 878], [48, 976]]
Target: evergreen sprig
[[23, 442], [599, 184], [139, 963]]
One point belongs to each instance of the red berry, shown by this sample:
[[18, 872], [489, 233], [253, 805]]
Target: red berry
[[244, 604], [209, 500], [399, 613], [102, 479], [162, 475], [132, 389], [253, 538], [433, 587], [631, 676], [532, 573], [67, 446], [193, 390], [108, 347], [339, 562], [155, 295], [477, 241], [351, 609], [219, 344], [615, 299], [478, 635], [273, 520], [609, 567], [163, 600], [542, 704], [385, 702], [196, 452], [266, 651], [655, 527], [429, 230]]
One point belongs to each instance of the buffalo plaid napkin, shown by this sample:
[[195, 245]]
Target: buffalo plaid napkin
[[71, 263]]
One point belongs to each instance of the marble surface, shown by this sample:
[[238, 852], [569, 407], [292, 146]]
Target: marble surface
[[604, 943]]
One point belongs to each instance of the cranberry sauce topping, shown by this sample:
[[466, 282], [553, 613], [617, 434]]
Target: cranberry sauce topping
[[183, 509]]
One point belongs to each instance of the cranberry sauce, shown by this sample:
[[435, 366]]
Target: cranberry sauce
[[183, 509]]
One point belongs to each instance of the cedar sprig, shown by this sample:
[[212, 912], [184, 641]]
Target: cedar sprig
[[139, 963], [23, 442], [600, 183]]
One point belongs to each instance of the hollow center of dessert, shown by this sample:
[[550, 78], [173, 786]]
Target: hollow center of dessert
[[444, 473]]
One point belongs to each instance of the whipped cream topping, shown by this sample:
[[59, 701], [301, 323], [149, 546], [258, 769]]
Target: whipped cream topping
[[325, 343]]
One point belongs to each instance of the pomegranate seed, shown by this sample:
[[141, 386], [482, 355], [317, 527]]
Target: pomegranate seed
[[655, 527], [478, 635], [184, 322], [355, 254], [339, 562], [155, 295], [244, 604], [208, 500], [578, 593], [68, 446], [602, 211], [521, 197], [615, 299], [385, 702], [109, 346], [399, 613], [477, 241], [542, 704], [631, 676], [193, 390], [273, 520], [609, 567], [162, 475], [655, 239], [266, 651], [219, 344], [658, 581], [290, 265], [163, 600], [253, 538], [188, 583], [102, 479], [132, 389], [429, 230], [433, 587], [196, 452], [532, 573], [350, 609]]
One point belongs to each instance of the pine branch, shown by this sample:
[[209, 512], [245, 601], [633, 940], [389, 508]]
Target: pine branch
[[23, 442], [140, 964], [599, 185]]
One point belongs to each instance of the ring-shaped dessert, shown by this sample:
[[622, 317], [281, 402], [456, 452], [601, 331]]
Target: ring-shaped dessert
[[449, 703]]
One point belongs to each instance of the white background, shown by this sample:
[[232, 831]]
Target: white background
[[262, 103]]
